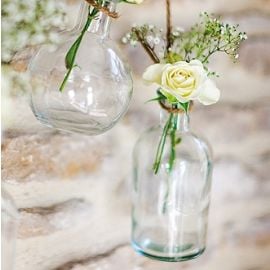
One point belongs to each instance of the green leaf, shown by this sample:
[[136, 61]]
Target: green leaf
[[184, 106], [170, 97], [125, 1], [156, 99], [173, 57], [71, 54]]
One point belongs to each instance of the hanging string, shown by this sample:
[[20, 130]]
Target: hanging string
[[169, 23], [103, 9]]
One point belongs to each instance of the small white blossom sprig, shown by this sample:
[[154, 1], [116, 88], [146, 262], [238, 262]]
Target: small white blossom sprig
[[150, 37], [29, 23], [180, 66]]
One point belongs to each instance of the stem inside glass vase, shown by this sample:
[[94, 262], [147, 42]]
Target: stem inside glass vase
[[72, 52], [96, 22], [177, 121]]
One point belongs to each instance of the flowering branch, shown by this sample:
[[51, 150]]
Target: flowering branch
[[146, 46]]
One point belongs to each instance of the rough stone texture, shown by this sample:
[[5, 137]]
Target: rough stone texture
[[73, 191]]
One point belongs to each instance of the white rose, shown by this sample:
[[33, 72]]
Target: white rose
[[184, 81]]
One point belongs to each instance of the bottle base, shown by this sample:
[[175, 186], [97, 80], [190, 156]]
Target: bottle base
[[175, 258]]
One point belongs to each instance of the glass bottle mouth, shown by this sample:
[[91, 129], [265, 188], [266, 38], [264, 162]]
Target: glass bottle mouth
[[106, 6], [101, 24], [179, 117]]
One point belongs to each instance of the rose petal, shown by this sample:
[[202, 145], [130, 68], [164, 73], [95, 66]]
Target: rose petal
[[153, 73], [181, 63], [210, 93], [196, 63]]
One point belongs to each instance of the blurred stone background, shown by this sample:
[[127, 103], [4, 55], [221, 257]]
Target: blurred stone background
[[72, 191]]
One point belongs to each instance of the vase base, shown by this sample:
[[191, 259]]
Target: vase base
[[176, 258], [82, 126]]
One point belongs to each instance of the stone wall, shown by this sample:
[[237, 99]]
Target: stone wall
[[73, 191]]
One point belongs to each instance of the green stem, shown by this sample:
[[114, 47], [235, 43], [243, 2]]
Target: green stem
[[72, 53], [63, 84], [162, 144], [173, 142], [171, 159]]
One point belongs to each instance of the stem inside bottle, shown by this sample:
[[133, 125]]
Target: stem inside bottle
[[176, 121], [96, 22]]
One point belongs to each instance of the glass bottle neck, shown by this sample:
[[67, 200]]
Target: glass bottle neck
[[180, 120], [101, 24]]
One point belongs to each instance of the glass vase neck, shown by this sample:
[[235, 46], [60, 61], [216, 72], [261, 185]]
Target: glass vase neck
[[101, 24], [179, 119]]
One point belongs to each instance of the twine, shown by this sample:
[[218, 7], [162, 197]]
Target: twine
[[174, 110], [103, 9]]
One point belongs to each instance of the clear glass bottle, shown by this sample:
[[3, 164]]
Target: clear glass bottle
[[170, 208], [98, 89], [9, 224]]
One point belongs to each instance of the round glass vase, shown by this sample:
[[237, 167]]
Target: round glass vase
[[170, 206], [96, 93]]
